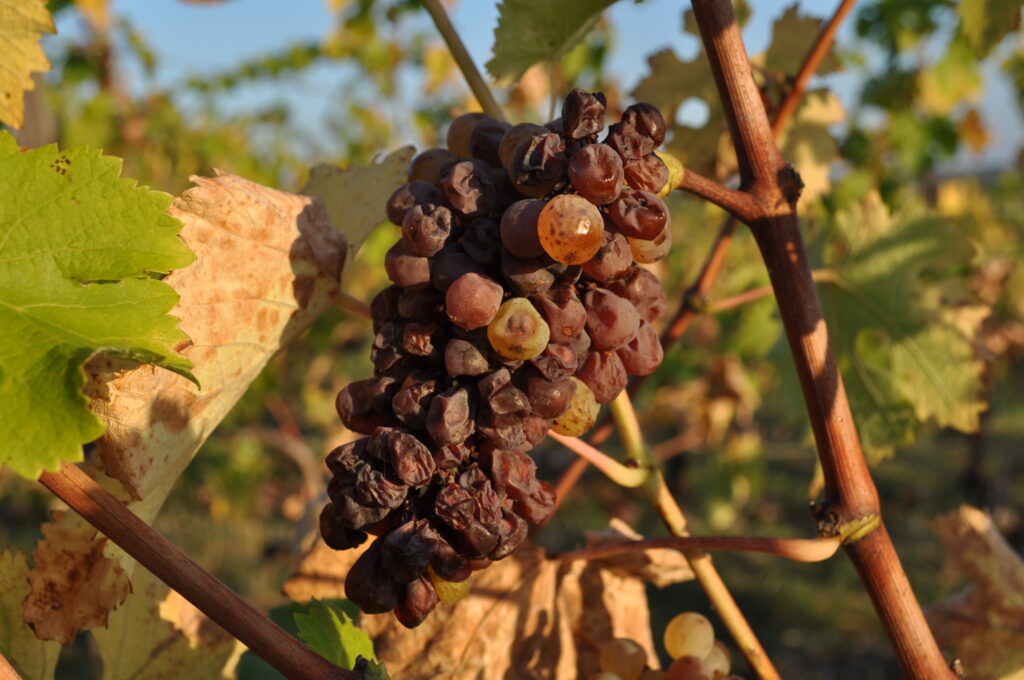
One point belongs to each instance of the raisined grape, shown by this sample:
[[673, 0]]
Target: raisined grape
[[464, 358], [468, 188], [648, 174], [516, 135], [643, 289], [430, 165], [406, 268], [612, 260], [639, 214], [583, 114], [597, 173], [654, 250], [410, 195], [611, 320], [426, 228], [643, 354], [486, 138], [604, 374]]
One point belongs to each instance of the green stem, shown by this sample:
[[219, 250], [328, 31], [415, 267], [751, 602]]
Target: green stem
[[704, 570], [469, 70]]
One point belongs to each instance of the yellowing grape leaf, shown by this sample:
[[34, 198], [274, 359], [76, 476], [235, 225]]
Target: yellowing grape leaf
[[672, 82], [33, 658], [22, 23], [74, 585], [332, 634], [903, 321], [355, 196], [808, 144], [78, 247], [793, 35], [267, 264], [986, 22], [140, 642], [523, 614], [535, 31], [983, 624], [973, 131]]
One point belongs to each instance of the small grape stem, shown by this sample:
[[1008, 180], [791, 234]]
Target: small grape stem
[[797, 549], [704, 570], [755, 294], [739, 204], [353, 305], [622, 475], [470, 72], [261, 635]]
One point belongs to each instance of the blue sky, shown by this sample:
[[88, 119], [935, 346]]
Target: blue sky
[[197, 38]]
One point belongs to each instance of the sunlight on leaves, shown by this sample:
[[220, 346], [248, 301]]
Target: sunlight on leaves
[[31, 657], [79, 248], [22, 23], [332, 634]]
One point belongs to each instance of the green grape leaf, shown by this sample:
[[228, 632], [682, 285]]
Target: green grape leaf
[[903, 322], [31, 657], [951, 80], [22, 23], [78, 251], [332, 634], [793, 35], [535, 31], [986, 22]]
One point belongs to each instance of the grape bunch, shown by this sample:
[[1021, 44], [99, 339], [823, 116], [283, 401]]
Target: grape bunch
[[518, 305], [689, 639]]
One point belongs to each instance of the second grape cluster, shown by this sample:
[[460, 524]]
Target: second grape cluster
[[519, 305]]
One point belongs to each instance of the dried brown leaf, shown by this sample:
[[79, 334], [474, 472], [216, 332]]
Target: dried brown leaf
[[74, 586], [527, 616], [267, 265], [983, 624]]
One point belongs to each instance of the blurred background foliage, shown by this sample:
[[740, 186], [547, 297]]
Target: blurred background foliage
[[918, 246]]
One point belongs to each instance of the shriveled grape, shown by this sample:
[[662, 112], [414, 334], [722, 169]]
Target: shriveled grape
[[581, 414], [518, 331]]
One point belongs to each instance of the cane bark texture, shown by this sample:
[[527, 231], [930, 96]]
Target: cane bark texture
[[851, 499]]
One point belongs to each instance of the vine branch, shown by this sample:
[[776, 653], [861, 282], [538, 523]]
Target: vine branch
[[851, 497], [797, 549], [739, 204], [265, 638]]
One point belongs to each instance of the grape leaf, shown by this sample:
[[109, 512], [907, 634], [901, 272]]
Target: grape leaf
[[534, 31], [153, 637], [951, 80], [332, 634], [74, 586], [808, 144], [793, 35], [78, 248], [983, 624], [356, 197], [31, 657], [267, 265], [986, 22], [903, 322], [22, 23]]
